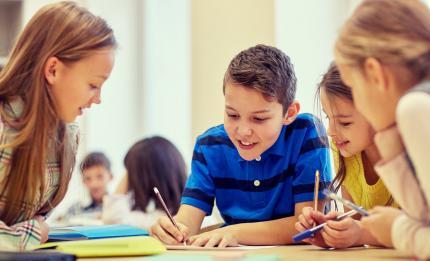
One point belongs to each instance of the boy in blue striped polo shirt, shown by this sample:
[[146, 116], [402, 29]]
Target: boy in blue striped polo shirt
[[259, 165]]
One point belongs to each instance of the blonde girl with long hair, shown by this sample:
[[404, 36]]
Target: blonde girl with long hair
[[383, 54], [55, 70]]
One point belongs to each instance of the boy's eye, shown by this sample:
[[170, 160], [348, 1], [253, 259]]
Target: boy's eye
[[233, 116], [345, 124], [260, 119], [94, 87]]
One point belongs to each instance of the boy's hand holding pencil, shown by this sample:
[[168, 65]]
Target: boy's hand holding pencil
[[167, 229], [167, 233]]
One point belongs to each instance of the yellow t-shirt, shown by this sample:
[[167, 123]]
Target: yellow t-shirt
[[363, 194]]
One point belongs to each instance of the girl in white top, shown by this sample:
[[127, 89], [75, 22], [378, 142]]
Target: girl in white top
[[383, 54], [151, 162]]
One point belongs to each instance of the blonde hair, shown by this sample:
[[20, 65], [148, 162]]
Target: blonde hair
[[70, 33], [395, 32]]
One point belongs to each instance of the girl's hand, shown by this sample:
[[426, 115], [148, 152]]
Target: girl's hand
[[308, 219], [166, 232], [44, 228], [379, 223], [342, 234], [214, 238]]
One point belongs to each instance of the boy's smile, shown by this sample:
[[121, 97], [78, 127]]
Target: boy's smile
[[252, 122]]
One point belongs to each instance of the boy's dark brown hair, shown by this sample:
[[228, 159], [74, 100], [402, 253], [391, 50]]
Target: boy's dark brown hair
[[265, 69], [155, 162], [95, 159]]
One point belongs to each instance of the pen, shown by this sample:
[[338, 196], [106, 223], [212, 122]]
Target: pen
[[310, 232], [346, 202], [168, 212]]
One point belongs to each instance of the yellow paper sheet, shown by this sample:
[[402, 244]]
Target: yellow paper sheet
[[121, 246]]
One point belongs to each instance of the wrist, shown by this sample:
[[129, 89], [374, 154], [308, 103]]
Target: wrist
[[232, 230], [361, 238]]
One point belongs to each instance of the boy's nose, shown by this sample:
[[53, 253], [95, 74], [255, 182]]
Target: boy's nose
[[244, 130]]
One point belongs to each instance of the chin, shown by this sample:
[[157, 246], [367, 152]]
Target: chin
[[346, 154], [248, 156]]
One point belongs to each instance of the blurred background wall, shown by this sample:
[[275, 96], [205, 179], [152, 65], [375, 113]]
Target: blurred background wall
[[171, 60]]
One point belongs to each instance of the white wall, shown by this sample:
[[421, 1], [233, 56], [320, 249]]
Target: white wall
[[306, 31], [166, 74]]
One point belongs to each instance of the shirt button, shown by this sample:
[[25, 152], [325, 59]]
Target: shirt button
[[258, 158], [256, 183]]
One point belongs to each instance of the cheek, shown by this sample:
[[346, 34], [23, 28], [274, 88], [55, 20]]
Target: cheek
[[269, 132], [229, 126]]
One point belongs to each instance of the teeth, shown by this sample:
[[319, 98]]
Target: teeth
[[245, 143]]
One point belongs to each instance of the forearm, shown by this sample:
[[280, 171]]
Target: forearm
[[274, 232], [411, 236], [366, 238], [21, 236]]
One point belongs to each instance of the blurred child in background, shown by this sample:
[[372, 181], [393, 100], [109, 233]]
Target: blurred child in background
[[96, 175], [151, 162]]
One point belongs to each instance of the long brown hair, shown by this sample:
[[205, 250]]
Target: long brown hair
[[70, 33], [332, 85], [155, 162], [395, 32]]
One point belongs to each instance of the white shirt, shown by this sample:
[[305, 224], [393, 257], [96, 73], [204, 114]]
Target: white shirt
[[409, 184]]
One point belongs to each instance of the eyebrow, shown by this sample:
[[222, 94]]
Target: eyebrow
[[342, 116], [254, 112], [102, 76], [339, 115]]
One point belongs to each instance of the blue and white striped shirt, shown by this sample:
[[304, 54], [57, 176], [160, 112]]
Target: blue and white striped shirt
[[252, 191]]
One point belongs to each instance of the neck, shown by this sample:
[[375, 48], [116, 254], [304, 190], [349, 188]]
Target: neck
[[98, 200], [370, 156]]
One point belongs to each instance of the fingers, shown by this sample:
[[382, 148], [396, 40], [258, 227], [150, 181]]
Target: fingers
[[341, 234], [165, 231], [306, 217], [331, 215], [343, 224], [299, 227], [213, 240], [185, 231], [319, 217], [227, 241], [199, 240]]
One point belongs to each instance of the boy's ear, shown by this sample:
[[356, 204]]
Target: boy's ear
[[375, 74], [292, 112], [50, 70]]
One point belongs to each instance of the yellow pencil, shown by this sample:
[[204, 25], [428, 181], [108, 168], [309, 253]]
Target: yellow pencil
[[316, 188]]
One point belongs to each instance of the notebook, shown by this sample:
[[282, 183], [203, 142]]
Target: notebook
[[93, 232], [120, 246]]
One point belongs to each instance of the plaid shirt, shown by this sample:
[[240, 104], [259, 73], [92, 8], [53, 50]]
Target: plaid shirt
[[25, 234]]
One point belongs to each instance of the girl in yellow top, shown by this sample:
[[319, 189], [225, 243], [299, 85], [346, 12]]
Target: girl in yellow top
[[355, 154]]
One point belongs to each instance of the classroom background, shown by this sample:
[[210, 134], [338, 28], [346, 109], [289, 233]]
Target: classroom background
[[171, 60]]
